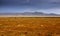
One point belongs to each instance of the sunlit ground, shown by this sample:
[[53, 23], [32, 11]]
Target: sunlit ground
[[29, 26]]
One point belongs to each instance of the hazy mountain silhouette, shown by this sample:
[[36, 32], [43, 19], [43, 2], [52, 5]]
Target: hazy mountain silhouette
[[29, 13], [38, 13]]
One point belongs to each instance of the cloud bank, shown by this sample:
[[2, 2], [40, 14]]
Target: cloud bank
[[7, 6]]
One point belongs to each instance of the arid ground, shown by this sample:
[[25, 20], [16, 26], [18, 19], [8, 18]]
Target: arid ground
[[29, 26]]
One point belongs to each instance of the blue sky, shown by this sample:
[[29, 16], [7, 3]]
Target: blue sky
[[18, 6]]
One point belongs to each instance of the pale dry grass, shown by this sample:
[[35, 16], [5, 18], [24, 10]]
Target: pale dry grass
[[29, 26]]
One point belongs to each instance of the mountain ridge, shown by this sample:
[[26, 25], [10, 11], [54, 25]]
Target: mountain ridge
[[29, 13]]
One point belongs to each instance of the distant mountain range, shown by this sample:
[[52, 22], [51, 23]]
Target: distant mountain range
[[29, 13]]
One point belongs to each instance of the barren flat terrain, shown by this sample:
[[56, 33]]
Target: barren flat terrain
[[29, 26], [29, 15]]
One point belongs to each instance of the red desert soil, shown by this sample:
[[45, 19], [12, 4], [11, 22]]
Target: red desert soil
[[29, 26]]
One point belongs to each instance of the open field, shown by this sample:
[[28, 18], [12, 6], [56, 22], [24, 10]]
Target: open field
[[29, 26], [29, 15]]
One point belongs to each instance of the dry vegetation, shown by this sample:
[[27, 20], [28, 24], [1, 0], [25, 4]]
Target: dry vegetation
[[29, 26]]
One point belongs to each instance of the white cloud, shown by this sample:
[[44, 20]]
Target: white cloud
[[53, 10]]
